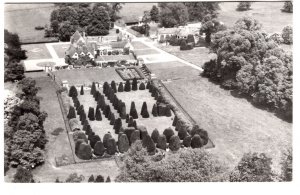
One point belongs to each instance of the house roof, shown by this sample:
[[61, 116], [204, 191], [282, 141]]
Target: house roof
[[75, 37], [167, 30], [118, 44], [115, 57]]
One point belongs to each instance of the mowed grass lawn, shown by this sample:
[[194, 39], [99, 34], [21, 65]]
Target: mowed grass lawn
[[234, 125], [23, 18], [172, 70], [60, 49], [36, 51], [139, 52], [139, 45], [269, 14], [89, 75]]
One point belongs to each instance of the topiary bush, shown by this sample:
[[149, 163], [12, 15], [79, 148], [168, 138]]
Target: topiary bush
[[182, 133], [79, 135], [93, 88], [196, 141], [98, 115], [94, 139], [155, 135], [154, 110], [134, 124], [99, 148], [142, 86], [127, 87], [133, 111], [91, 115], [99, 179], [135, 136], [107, 111], [72, 113], [81, 90], [123, 111], [134, 84], [168, 111], [120, 87], [117, 125], [73, 92], [175, 122], [91, 179], [174, 143], [123, 143], [113, 86], [149, 144], [143, 131], [187, 141], [84, 151], [128, 131], [111, 146], [106, 137], [144, 111], [168, 133], [130, 122], [112, 119], [162, 142]]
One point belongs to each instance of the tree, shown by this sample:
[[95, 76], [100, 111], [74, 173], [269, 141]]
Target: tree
[[123, 143], [198, 10], [81, 90], [23, 175], [162, 142], [13, 48], [120, 87], [168, 112], [133, 112], [117, 125], [91, 115], [127, 87], [91, 179], [154, 13], [99, 148], [288, 7], [113, 86], [84, 151], [98, 115], [128, 131], [134, 84], [93, 88], [287, 166], [106, 137], [74, 178], [142, 86], [172, 14], [144, 111], [253, 167], [244, 6], [155, 135], [168, 133], [135, 136], [154, 110], [108, 179], [210, 25], [196, 141], [187, 141], [99, 179], [174, 143], [287, 35], [73, 92], [94, 139], [99, 23], [111, 146], [182, 133], [149, 144], [72, 113], [66, 30]]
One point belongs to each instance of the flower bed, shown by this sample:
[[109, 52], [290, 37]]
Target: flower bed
[[130, 73]]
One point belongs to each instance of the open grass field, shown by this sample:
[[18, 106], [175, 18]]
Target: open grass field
[[23, 18], [36, 51], [233, 124], [87, 76], [140, 52], [269, 14], [137, 9], [139, 45], [172, 70], [197, 56], [60, 49]]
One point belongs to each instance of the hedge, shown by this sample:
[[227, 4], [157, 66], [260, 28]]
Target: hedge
[[187, 141], [196, 141], [162, 142], [174, 143], [168, 133], [84, 151]]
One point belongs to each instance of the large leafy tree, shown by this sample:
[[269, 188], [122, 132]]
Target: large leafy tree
[[173, 14], [287, 35], [198, 10], [288, 7], [99, 24], [243, 6], [66, 30], [154, 13], [209, 26]]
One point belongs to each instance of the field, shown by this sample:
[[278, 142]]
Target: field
[[233, 124], [36, 51], [87, 76], [19, 19], [60, 49], [139, 45], [139, 52], [265, 12], [137, 8]]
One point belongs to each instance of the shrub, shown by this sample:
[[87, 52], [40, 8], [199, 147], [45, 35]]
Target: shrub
[[175, 121], [127, 118], [155, 135], [135, 136], [288, 7], [93, 88], [107, 111], [73, 92], [99, 148], [105, 87], [142, 86], [108, 179], [80, 109], [112, 119], [134, 124], [106, 137], [91, 115], [148, 85], [182, 133], [117, 31], [98, 115], [130, 122], [72, 113], [287, 166], [243, 6], [57, 131], [149, 144], [127, 87], [196, 141], [154, 110], [123, 111], [77, 144], [187, 141], [162, 142], [174, 143], [190, 39], [120, 87], [128, 131], [144, 111], [168, 111], [117, 125], [91, 179], [79, 135], [287, 35], [123, 143], [99, 179], [74, 178], [84, 151], [81, 90], [133, 111], [113, 86], [94, 139], [143, 131], [134, 84], [168, 133], [111, 146], [23, 175]]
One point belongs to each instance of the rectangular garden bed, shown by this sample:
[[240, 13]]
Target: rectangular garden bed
[[130, 73]]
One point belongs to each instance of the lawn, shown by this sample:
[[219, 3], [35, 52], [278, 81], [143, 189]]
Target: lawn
[[139, 45], [89, 75], [36, 51], [269, 14], [197, 56], [234, 125], [172, 70], [137, 9], [60, 49], [23, 18], [139, 52]]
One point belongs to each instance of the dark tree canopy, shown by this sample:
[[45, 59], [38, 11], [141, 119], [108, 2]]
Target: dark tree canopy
[[154, 13], [173, 14], [288, 7], [198, 10]]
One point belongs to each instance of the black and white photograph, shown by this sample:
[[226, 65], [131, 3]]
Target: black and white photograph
[[147, 92]]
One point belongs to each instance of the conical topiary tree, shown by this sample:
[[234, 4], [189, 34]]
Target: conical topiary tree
[[142, 86], [73, 92], [154, 110], [77, 144], [107, 111], [85, 125], [148, 85], [98, 115], [134, 124], [105, 88], [143, 131], [187, 141], [81, 90], [134, 84], [127, 87], [182, 133], [91, 115], [175, 121], [96, 95], [112, 119], [123, 143], [120, 87], [135, 136], [99, 179], [117, 125], [106, 137], [168, 111], [130, 122], [72, 113], [111, 146], [108, 179], [80, 109], [133, 111], [99, 148], [162, 142], [155, 135], [196, 141], [127, 118], [93, 88], [91, 179], [128, 132], [174, 143], [168, 133], [149, 144], [84, 151], [123, 111], [144, 111]]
